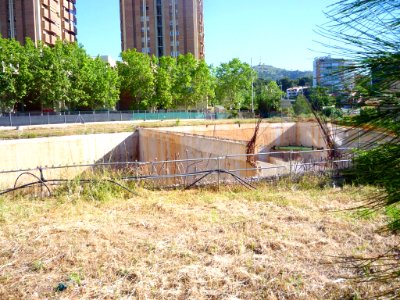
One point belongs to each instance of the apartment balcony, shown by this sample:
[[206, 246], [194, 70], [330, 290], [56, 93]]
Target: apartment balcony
[[52, 5], [68, 37], [70, 27], [69, 16], [51, 15], [49, 39], [68, 5], [72, 17], [51, 28]]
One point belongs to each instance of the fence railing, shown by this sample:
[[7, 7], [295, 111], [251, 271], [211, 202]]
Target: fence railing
[[70, 117], [194, 171]]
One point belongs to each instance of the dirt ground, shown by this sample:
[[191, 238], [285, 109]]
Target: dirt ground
[[278, 242]]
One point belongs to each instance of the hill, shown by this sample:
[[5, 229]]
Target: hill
[[272, 73]]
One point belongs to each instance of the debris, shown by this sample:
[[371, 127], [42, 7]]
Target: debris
[[61, 287]]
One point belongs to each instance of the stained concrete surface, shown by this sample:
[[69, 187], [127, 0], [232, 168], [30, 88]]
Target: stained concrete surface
[[172, 143]]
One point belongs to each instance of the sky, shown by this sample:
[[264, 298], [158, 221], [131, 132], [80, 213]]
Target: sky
[[278, 33]]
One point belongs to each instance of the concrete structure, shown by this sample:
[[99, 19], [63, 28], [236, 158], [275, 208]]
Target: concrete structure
[[332, 73], [204, 143], [66, 150], [163, 27], [40, 20]]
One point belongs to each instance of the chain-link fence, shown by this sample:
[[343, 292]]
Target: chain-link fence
[[70, 117], [190, 172]]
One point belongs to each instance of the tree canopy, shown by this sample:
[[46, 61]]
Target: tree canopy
[[269, 98], [234, 80], [65, 77], [57, 78]]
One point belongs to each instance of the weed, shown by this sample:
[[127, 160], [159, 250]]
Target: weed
[[365, 214], [75, 278], [214, 216], [37, 266]]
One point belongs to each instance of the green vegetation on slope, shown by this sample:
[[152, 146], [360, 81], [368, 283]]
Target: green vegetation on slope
[[272, 73]]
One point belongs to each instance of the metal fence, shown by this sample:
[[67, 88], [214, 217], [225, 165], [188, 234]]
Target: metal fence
[[70, 117], [189, 172]]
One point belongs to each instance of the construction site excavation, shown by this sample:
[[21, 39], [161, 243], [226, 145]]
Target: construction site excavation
[[183, 155], [235, 210]]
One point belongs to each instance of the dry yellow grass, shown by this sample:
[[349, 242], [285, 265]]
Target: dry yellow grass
[[274, 243]]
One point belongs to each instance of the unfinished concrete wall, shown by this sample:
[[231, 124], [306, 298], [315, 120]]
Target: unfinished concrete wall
[[347, 137], [170, 143], [309, 134], [67, 150], [270, 134], [204, 141], [159, 145]]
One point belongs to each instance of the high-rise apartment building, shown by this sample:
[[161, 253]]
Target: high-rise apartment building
[[332, 73], [41, 20], [163, 27]]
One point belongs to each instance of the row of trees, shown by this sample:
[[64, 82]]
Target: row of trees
[[165, 82], [65, 77]]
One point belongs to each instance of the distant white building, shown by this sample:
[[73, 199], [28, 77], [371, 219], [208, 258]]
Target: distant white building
[[108, 59], [293, 92]]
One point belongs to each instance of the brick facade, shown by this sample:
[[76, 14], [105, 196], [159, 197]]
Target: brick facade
[[40, 20], [163, 27]]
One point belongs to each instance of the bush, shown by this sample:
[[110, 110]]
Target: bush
[[333, 112], [301, 106]]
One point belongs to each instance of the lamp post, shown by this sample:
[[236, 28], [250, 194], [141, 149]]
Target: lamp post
[[252, 95], [252, 89]]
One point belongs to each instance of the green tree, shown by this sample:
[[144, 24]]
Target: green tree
[[203, 85], [164, 76], [234, 80], [14, 74], [137, 77], [269, 98], [98, 85], [50, 85], [186, 66], [76, 70], [301, 106], [305, 81], [286, 83], [194, 83], [58, 77], [320, 97]]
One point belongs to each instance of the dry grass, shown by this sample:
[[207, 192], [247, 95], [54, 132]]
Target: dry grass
[[274, 243]]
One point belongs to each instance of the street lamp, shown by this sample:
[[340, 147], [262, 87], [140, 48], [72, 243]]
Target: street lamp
[[252, 88], [252, 95]]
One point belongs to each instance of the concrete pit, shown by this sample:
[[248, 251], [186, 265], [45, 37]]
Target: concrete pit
[[204, 143]]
